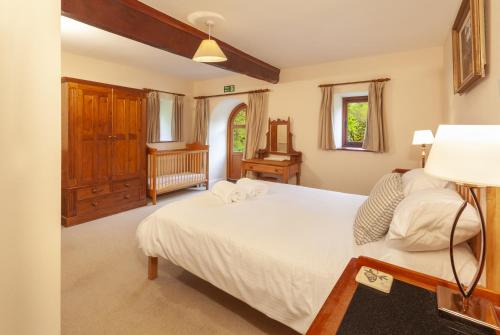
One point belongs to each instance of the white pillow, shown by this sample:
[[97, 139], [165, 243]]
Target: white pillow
[[423, 221], [417, 180]]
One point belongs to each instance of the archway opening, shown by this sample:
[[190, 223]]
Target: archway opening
[[217, 134]]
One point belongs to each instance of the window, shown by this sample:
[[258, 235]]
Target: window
[[166, 106], [239, 130], [354, 118]]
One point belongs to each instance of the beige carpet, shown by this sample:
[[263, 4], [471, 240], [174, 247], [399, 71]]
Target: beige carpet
[[105, 289]]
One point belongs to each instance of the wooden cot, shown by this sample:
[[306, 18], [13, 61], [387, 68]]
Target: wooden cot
[[171, 170]]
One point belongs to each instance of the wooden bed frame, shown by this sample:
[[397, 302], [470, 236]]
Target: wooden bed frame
[[490, 202]]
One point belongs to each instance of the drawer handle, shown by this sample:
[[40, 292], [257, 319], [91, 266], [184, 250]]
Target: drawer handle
[[94, 203], [127, 185], [277, 170], [250, 167], [95, 190], [127, 196]]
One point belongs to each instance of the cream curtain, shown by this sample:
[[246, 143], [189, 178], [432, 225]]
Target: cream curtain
[[153, 115], [374, 134], [326, 141], [256, 112], [201, 121], [177, 113]]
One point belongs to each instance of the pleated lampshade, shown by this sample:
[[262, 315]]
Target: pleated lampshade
[[209, 52]]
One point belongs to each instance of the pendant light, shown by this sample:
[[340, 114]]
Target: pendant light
[[209, 51]]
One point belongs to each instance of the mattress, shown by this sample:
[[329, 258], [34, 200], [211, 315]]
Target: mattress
[[281, 253], [166, 182]]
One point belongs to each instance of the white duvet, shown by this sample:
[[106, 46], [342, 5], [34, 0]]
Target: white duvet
[[281, 253]]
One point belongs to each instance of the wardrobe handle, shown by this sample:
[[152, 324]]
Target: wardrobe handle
[[94, 203], [126, 196]]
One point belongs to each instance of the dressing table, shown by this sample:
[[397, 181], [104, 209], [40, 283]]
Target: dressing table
[[278, 160]]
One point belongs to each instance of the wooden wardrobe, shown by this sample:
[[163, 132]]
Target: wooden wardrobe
[[103, 150]]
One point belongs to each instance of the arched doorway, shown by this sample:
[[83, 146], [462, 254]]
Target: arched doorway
[[236, 140]]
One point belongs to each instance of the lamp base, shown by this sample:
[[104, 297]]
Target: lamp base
[[473, 309]]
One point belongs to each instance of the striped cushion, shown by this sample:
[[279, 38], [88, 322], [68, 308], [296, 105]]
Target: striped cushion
[[374, 216]]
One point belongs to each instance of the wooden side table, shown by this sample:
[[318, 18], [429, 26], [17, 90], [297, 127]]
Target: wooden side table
[[284, 170], [332, 313]]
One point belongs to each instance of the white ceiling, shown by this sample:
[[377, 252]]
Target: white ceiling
[[284, 33], [288, 33], [82, 39]]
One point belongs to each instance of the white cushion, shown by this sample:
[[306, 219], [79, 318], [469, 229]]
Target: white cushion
[[417, 180], [374, 216], [423, 221]]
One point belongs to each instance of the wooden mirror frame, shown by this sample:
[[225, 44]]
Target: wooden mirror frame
[[294, 155]]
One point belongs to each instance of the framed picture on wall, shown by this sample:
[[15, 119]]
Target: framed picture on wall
[[468, 42]]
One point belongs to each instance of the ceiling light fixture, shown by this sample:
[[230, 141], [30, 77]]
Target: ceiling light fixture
[[209, 51]]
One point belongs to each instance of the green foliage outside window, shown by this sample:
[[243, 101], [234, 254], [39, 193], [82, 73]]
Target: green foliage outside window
[[239, 138], [239, 133], [356, 121], [240, 118]]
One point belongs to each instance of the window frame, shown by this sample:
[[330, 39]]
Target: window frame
[[166, 96], [345, 101]]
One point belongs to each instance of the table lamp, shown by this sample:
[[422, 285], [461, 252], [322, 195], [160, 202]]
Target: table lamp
[[468, 155], [423, 138]]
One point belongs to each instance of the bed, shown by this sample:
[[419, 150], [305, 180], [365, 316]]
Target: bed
[[299, 237]]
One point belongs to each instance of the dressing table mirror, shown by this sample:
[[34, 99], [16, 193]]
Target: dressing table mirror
[[278, 160], [278, 136]]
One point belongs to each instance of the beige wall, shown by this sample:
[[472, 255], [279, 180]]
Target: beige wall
[[481, 105], [30, 216], [93, 69], [413, 100]]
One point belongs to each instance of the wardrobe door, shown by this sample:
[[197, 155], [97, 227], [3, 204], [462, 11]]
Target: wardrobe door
[[128, 146], [90, 116]]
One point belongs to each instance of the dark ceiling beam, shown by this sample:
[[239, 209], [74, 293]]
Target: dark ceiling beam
[[139, 22]]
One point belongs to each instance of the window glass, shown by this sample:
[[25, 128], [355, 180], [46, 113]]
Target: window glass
[[355, 118], [166, 105], [239, 137], [239, 130], [240, 118]]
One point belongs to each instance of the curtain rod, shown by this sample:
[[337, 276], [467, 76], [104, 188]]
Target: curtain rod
[[236, 93], [355, 82], [151, 90]]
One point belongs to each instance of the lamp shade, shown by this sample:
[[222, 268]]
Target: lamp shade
[[466, 154], [209, 52], [422, 137]]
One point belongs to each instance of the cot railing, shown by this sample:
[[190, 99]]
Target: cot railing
[[171, 170]]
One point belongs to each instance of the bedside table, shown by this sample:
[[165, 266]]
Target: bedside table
[[329, 319]]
